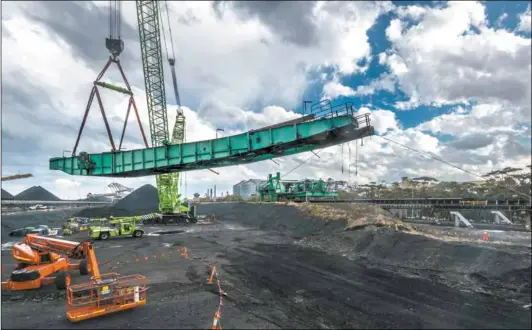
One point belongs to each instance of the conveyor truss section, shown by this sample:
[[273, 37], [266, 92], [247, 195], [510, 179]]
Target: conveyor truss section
[[324, 126]]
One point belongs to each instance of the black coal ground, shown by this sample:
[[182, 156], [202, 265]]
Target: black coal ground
[[53, 219], [272, 281]]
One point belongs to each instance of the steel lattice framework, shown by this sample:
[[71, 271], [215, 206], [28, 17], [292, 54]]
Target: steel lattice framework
[[152, 63]]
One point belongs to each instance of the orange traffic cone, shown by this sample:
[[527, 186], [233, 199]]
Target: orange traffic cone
[[213, 272]]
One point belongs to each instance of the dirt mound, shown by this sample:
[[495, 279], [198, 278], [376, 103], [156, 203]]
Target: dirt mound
[[356, 216], [143, 200], [6, 195], [36, 193], [302, 219]]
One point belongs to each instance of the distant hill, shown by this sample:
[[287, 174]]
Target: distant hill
[[6, 195], [36, 193]]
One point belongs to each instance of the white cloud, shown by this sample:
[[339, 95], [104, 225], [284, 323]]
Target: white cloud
[[382, 120], [393, 32], [240, 61], [501, 19], [411, 12], [441, 60], [525, 21], [483, 118], [334, 89]]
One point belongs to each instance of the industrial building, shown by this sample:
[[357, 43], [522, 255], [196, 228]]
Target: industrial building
[[247, 188]]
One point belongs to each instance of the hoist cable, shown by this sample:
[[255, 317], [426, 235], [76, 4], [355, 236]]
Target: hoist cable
[[116, 17], [162, 28], [427, 155], [170, 29], [119, 18], [110, 20], [349, 162], [295, 168]]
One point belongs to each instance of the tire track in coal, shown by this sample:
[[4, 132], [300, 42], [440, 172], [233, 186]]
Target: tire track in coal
[[325, 276], [273, 270]]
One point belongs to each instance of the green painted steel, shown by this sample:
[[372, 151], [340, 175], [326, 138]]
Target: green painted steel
[[275, 189], [252, 146], [152, 63]]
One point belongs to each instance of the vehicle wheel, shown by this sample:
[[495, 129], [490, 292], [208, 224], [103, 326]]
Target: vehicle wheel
[[137, 233], [24, 275], [84, 267], [104, 236], [62, 280]]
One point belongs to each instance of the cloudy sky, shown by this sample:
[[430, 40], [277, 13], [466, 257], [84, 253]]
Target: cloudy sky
[[452, 79]]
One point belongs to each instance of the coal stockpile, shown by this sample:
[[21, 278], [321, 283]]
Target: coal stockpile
[[285, 218], [6, 195], [144, 200], [36, 193]]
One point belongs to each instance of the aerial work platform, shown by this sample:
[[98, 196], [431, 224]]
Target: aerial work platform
[[332, 126]]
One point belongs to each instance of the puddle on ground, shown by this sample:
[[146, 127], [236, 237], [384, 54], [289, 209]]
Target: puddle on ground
[[166, 232], [234, 227], [170, 232]]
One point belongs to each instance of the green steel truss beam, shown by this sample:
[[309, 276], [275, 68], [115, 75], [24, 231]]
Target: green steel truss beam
[[252, 146]]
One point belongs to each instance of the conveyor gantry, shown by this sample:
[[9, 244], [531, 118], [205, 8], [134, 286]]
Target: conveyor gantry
[[331, 126]]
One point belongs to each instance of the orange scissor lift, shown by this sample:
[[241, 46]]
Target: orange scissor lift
[[42, 257]]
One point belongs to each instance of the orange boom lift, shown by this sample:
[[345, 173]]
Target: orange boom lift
[[41, 257]]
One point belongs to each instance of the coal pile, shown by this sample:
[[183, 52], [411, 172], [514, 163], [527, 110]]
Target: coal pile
[[6, 195], [36, 193], [144, 200], [285, 218]]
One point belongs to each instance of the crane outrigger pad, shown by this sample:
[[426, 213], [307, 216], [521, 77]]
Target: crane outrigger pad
[[336, 126]]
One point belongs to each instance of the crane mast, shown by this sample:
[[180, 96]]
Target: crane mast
[[152, 63]]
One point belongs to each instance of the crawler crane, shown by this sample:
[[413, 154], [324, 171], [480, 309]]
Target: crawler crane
[[42, 257]]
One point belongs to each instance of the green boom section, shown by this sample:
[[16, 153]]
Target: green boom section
[[253, 146]]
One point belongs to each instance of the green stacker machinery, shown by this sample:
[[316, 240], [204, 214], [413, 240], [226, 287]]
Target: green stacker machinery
[[275, 190]]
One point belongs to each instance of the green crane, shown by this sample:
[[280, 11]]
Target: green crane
[[148, 15]]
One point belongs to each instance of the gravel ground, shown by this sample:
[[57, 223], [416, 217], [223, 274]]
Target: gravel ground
[[283, 268]]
